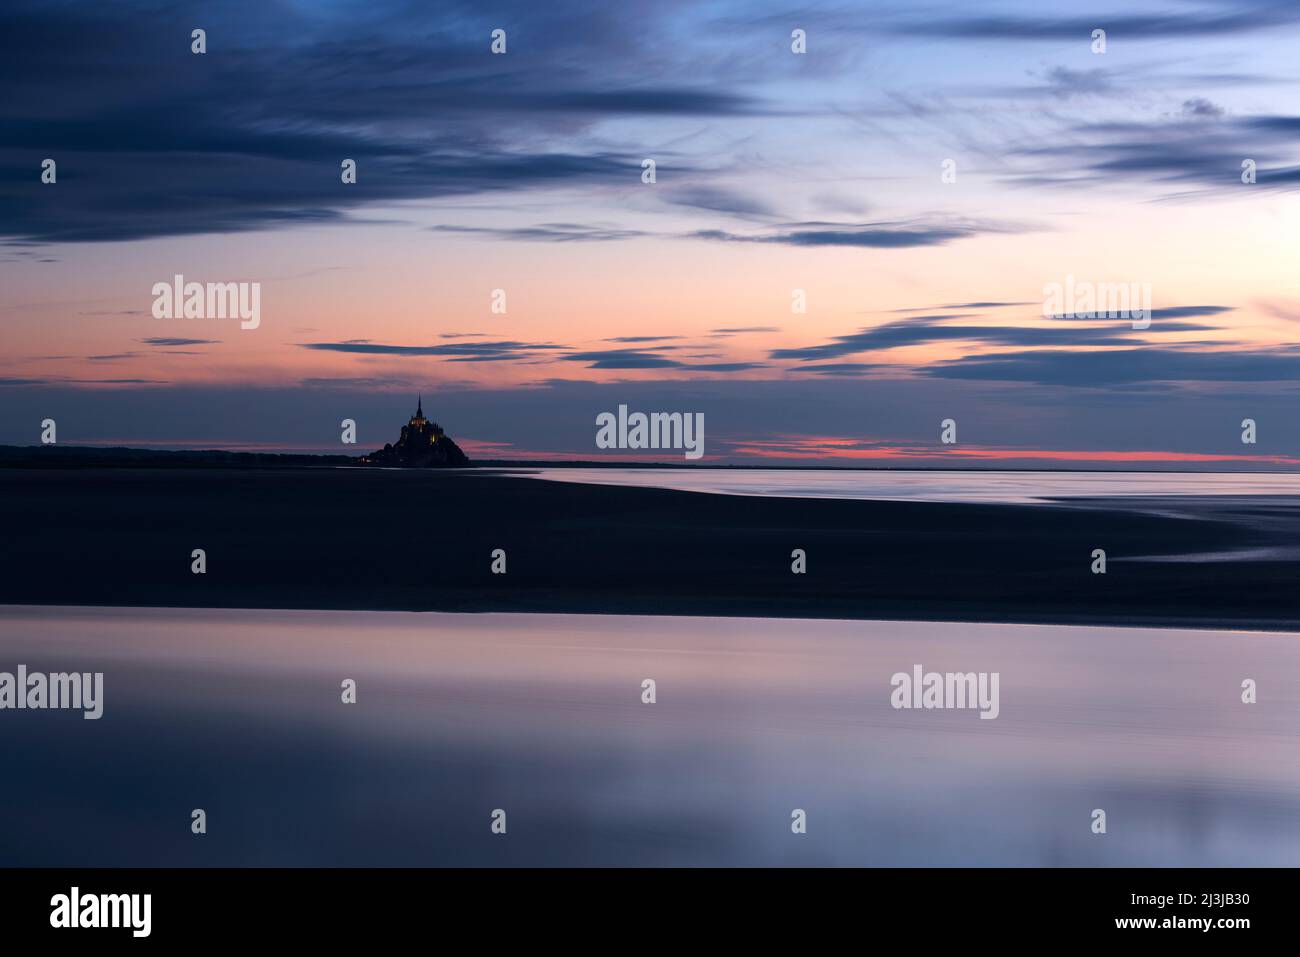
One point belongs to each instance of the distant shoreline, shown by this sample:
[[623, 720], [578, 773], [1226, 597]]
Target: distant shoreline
[[94, 456]]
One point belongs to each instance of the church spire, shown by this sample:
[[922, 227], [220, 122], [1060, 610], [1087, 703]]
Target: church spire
[[419, 407]]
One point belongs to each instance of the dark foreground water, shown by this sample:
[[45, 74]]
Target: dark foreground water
[[239, 713]]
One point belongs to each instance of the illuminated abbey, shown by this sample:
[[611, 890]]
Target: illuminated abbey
[[423, 444]]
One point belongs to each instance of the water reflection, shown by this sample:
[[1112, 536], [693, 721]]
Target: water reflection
[[934, 485], [239, 712]]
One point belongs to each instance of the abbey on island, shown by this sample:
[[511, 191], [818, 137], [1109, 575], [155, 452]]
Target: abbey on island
[[423, 444]]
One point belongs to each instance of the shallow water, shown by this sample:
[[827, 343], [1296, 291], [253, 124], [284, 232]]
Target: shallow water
[[937, 486], [239, 713]]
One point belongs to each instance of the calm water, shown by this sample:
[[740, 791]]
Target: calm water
[[936, 486], [238, 712]]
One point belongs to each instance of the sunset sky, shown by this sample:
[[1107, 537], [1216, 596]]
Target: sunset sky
[[775, 172]]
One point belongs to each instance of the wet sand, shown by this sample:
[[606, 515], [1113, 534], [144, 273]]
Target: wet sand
[[423, 540]]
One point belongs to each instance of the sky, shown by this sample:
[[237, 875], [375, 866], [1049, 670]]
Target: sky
[[840, 248]]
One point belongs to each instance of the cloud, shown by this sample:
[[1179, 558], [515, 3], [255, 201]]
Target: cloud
[[1173, 312], [1198, 148], [1211, 20], [1106, 368], [985, 305], [456, 352], [652, 359], [228, 192], [152, 141], [1284, 125], [60, 381], [642, 339], [719, 199], [924, 329], [623, 359], [174, 341], [538, 351], [356, 382], [550, 232], [636, 102], [1064, 83], [846, 369], [1200, 106], [1188, 312], [883, 235], [727, 366], [1286, 309]]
